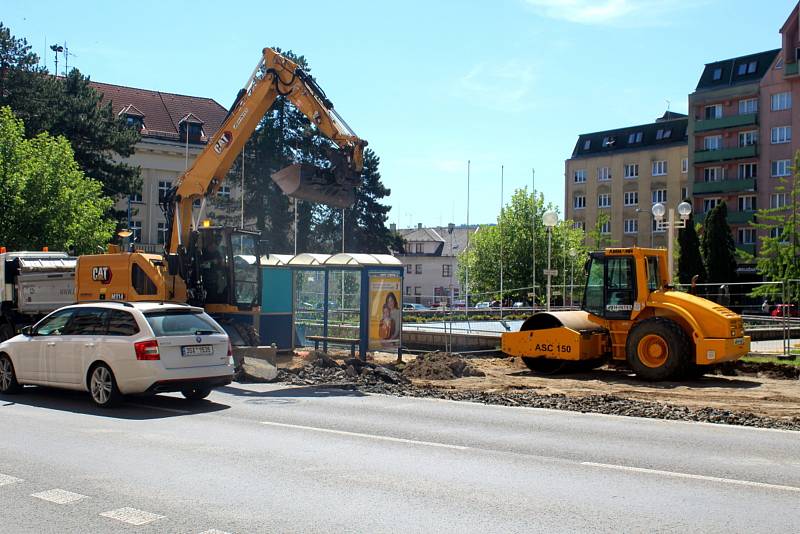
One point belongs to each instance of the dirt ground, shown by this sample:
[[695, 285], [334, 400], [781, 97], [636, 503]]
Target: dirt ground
[[754, 394]]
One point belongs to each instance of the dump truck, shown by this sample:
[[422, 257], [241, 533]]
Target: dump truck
[[32, 285], [630, 314]]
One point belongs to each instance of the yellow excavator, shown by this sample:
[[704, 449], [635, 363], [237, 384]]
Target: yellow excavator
[[630, 314], [218, 267]]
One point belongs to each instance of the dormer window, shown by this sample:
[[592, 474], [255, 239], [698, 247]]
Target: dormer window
[[133, 117], [587, 144], [190, 129], [717, 74], [609, 141]]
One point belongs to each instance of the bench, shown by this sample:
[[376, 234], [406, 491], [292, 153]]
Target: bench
[[336, 340]]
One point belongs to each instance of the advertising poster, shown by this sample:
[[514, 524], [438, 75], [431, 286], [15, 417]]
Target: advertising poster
[[385, 311]]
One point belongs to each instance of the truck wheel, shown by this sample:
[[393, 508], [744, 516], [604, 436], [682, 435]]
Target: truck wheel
[[658, 349], [544, 366]]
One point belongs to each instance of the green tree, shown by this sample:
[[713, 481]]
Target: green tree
[[719, 250], [690, 262], [45, 199], [515, 246], [68, 106], [778, 259], [599, 238]]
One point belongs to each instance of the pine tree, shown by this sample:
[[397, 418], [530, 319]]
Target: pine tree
[[719, 250], [690, 262]]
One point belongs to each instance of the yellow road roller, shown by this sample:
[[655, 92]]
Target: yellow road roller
[[630, 313]]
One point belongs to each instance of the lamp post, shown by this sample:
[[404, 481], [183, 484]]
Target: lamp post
[[572, 254], [684, 210], [125, 234], [549, 219]]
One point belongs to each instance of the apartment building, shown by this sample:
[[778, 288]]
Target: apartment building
[[431, 263], [622, 173], [174, 130]]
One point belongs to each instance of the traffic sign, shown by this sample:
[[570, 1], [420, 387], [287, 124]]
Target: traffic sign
[[550, 272]]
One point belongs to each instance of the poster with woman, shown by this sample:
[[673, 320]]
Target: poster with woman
[[385, 311]]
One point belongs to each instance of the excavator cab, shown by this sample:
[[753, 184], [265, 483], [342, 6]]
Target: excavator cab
[[223, 267]]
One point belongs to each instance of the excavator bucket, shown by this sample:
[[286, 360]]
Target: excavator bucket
[[311, 183]]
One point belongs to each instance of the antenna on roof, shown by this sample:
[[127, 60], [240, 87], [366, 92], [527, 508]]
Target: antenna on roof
[[668, 103]]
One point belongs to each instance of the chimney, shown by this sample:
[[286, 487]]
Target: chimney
[[419, 226]]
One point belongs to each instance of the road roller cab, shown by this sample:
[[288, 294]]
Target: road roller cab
[[630, 314]]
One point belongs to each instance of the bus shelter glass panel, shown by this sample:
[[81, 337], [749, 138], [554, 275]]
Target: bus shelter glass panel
[[309, 302], [344, 299]]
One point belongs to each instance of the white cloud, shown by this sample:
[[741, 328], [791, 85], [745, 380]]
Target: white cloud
[[503, 86], [630, 12]]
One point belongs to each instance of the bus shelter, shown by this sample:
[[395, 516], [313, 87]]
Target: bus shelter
[[341, 299]]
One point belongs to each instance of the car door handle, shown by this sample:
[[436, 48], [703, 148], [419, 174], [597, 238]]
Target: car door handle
[[51, 343], [89, 345]]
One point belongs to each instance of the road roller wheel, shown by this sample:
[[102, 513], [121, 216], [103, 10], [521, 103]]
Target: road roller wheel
[[544, 366], [658, 349]]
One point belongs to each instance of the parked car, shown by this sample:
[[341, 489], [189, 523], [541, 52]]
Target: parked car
[[518, 304], [482, 305], [111, 349], [413, 306], [791, 310]]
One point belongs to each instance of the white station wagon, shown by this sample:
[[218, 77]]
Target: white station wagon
[[111, 349]]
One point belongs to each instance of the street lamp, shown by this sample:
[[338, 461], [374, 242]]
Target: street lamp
[[549, 219], [684, 210], [572, 254], [124, 234]]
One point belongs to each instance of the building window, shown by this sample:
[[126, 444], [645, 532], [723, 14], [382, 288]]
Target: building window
[[747, 203], [746, 138], [635, 137], [224, 192], [747, 236], [664, 133], [136, 197], [581, 225], [748, 106], [631, 170], [417, 290], [579, 202], [712, 142], [781, 101], [409, 269], [603, 200], [713, 111], [163, 188], [580, 176], [748, 171], [609, 141], [655, 227], [603, 174], [408, 290], [659, 168], [685, 193], [684, 165], [631, 226], [136, 228], [781, 167], [587, 144], [777, 200], [712, 174], [709, 204], [717, 74], [659, 195], [781, 134], [419, 248], [630, 198], [605, 228], [161, 233], [418, 268], [446, 271]]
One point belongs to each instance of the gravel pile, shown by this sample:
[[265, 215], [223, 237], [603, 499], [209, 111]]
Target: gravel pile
[[353, 372], [761, 369], [439, 366]]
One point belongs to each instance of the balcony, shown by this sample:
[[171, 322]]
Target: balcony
[[740, 217], [739, 152], [723, 186], [725, 122]]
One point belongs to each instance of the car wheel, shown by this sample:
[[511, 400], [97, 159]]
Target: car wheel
[[195, 393], [8, 378], [103, 387]]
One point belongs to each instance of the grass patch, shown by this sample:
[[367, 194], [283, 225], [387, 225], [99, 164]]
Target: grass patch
[[774, 359]]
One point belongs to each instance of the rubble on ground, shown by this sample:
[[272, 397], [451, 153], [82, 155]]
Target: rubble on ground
[[761, 369], [439, 366]]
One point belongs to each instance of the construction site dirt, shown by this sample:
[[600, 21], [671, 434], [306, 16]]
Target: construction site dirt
[[746, 394]]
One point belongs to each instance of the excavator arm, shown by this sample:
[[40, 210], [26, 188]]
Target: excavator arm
[[275, 75]]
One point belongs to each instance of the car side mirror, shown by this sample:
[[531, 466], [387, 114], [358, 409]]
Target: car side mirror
[[27, 331]]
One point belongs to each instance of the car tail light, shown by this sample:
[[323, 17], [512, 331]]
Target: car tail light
[[147, 350]]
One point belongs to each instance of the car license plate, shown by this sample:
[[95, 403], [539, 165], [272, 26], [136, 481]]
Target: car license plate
[[738, 341], [197, 350]]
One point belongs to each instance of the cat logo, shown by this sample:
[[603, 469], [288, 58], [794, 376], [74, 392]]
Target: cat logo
[[223, 142], [101, 274]]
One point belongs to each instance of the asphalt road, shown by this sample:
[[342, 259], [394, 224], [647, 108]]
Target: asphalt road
[[267, 458]]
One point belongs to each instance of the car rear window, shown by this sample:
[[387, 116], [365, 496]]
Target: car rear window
[[181, 323]]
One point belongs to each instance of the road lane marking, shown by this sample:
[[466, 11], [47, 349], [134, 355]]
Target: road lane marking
[[368, 436], [132, 516], [214, 531], [170, 410], [58, 496], [694, 477], [8, 479]]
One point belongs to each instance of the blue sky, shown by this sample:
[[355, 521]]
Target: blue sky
[[430, 84]]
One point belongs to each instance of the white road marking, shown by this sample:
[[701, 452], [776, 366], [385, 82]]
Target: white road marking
[[214, 531], [58, 496], [8, 479], [132, 516], [368, 436], [170, 410], [694, 477]]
